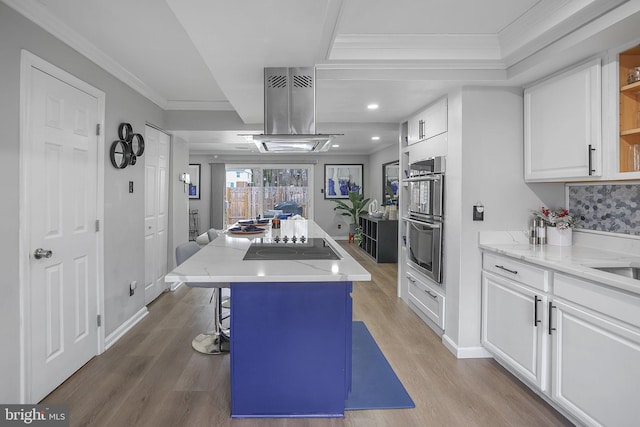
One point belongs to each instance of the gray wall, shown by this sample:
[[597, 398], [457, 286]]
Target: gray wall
[[218, 195], [484, 163], [178, 201], [203, 204], [124, 212], [323, 211]]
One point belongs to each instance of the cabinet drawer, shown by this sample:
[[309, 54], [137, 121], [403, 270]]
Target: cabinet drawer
[[427, 299], [616, 304], [527, 274]]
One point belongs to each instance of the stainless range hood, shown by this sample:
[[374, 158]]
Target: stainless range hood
[[290, 113]]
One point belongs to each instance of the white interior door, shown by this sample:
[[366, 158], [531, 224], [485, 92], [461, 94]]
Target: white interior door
[[156, 218], [61, 188]]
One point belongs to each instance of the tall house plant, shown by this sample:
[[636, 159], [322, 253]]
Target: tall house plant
[[358, 205]]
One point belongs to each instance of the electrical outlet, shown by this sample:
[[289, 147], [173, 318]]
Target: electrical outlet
[[130, 186], [339, 226]]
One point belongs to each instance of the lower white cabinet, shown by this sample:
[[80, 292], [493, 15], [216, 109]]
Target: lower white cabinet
[[595, 363], [426, 297], [512, 326], [578, 343]]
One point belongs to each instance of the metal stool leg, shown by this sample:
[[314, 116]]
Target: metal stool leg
[[212, 343]]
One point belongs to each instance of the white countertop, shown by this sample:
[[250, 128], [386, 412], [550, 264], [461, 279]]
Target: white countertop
[[221, 261], [587, 251]]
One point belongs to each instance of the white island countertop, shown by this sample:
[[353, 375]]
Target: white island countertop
[[221, 261], [587, 252]]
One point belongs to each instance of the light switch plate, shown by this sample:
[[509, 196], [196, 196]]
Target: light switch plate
[[478, 213]]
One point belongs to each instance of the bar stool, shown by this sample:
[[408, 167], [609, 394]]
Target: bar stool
[[214, 342]]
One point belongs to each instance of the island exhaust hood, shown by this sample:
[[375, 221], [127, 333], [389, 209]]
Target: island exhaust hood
[[290, 113]]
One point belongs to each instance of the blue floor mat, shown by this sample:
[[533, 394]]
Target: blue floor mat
[[374, 385]]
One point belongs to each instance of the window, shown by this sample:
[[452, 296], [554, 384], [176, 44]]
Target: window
[[267, 191]]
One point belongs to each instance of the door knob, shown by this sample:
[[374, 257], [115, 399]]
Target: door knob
[[42, 253]]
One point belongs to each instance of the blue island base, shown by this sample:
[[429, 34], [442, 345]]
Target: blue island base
[[290, 349]]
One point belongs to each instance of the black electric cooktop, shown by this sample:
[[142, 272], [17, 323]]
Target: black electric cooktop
[[267, 249]]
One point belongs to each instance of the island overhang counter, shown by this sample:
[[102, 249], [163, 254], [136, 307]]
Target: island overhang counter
[[290, 345]]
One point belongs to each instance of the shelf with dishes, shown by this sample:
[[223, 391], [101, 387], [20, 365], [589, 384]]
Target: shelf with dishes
[[630, 110]]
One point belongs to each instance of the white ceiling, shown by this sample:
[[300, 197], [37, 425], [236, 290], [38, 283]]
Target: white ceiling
[[400, 54]]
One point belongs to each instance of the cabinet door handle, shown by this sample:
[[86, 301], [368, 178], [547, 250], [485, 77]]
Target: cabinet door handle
[[551, 306], [591, 170], [536, 300], [420, 129], [411, 279], [502, 267], [434, 296]]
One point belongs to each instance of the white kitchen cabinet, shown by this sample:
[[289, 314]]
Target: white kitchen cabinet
[[584, 352], [514, 308], [428, 123], [416, 128], [562, 126], [427, 297], [595, 357], [512, 326]]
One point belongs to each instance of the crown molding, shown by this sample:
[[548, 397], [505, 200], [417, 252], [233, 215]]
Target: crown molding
[[416, 47], [199, 105], [590, 40], [37, 13], [548, 22], [329, 29]]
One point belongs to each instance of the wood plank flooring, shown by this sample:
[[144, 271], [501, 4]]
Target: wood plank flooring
[[152, 377]]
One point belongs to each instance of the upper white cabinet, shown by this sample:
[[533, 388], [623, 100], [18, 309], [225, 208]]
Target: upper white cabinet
[[562, 126], [428, 123]]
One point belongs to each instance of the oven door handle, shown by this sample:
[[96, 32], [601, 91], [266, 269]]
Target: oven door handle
[[423, 178], [426, 224]]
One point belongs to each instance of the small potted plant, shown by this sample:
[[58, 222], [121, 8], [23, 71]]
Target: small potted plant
[[559, 224], [358, 205]]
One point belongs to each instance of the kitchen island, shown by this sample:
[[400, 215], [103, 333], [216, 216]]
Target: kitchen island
[[290, 321]]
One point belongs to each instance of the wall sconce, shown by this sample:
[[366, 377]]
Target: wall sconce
[[186, 179]]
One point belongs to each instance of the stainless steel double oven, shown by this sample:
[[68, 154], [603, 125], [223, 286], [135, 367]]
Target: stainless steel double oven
[[425, 216]]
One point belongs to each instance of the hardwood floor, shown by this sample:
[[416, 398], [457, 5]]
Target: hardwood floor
[[152, 377]]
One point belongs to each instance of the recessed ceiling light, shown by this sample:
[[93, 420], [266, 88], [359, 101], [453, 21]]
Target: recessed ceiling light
[[372, 106], [375, 138], [335, 145]]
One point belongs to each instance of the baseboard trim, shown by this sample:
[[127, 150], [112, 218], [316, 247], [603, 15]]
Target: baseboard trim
[[465, 352], [125, 327]]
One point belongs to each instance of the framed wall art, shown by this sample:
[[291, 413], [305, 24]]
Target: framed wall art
[[194, 186], [390, 183], [339, 180]]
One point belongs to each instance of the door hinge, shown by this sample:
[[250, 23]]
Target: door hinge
[[98, 129], [99, 320], [97, 225]]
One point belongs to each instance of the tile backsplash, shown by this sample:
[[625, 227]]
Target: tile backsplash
[[611, 207]]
